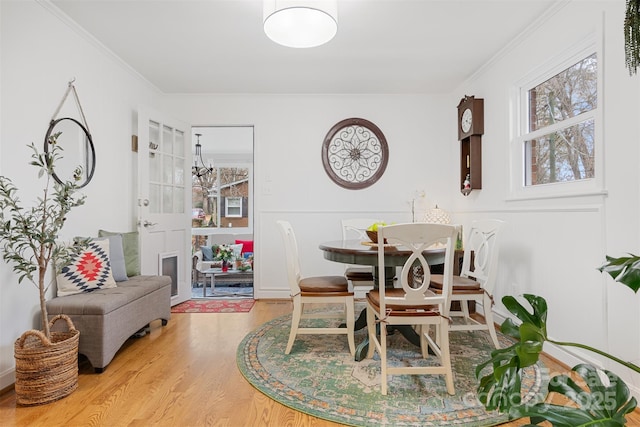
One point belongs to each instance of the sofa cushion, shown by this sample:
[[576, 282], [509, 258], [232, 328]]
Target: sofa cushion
[[207, 253], [247, 245], [104, 301], [88, 271], [131, 250], [237, 250], [116, 257]]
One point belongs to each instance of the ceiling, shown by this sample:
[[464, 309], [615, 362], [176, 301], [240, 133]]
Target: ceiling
[[382, 46]]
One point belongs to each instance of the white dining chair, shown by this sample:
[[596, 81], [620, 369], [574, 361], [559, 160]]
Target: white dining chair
[[360, 277], [477, 277], [413, 303], [315, 290]]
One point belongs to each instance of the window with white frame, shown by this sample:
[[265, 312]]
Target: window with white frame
[[558, 144], [233, 207]]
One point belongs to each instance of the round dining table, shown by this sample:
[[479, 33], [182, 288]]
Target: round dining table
[[358, 252]]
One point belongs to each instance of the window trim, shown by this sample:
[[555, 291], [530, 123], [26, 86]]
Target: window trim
[[519, 101], [226, 207]]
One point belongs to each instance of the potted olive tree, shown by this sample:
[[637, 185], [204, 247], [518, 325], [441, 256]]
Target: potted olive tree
[[603, 400], [46, 361]]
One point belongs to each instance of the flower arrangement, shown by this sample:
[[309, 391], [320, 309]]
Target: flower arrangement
[[224, 253]]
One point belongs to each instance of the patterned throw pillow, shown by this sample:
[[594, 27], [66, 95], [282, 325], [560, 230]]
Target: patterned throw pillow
[[89, 271]]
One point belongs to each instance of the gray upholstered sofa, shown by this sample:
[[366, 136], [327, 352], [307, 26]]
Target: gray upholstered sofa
[[106, 318]]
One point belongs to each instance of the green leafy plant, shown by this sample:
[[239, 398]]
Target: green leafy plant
[[625, 270], [632, 36], [601, 403], [29, 235]]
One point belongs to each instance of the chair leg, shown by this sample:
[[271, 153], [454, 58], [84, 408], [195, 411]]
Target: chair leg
[[383, 358], [295, 321], [424, 344], [371, 328], [464, 306], [488, 318], [445, 357], [351, 321]]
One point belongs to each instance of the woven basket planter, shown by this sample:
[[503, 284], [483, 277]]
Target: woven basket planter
[[46, 370]]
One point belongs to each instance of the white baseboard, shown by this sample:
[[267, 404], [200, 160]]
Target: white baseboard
[[7, 378]]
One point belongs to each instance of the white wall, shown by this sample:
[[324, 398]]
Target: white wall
[[40, 54], [290, 180], [552, 247]]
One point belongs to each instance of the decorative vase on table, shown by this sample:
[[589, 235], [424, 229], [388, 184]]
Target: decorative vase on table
[[225, 265]]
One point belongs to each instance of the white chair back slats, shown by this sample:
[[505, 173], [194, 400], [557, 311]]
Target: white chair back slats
[[483, 241], [418, 237], [355, 228], [292, 257]]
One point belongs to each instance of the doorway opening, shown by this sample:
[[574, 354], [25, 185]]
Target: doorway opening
[[222, 212]]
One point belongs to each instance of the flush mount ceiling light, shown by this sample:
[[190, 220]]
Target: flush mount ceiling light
[[300, 23]]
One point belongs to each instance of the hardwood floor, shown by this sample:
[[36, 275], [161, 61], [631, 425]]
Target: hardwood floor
[[183, 374]]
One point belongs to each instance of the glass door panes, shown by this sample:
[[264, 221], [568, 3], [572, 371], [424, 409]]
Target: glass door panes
[[178, 172], [221, 199], [155, 167], [166, 170]]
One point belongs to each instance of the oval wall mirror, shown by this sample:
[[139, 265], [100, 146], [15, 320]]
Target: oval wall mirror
[[77, 150]]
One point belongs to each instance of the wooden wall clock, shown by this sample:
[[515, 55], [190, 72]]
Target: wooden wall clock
[[355, 153], [470, 130]]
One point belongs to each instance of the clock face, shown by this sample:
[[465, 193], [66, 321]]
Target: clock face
[[465, 121]]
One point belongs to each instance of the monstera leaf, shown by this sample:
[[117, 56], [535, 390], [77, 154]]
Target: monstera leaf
[[500, 389], [599, 404], [604, 405], [625, 270]]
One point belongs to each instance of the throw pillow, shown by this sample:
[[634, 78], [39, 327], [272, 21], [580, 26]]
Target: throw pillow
[[116, 257], [247, 245], [237, 250], [207, 253], [87, 272], [131, 250]]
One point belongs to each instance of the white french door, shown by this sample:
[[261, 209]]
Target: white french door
[[164, 199]]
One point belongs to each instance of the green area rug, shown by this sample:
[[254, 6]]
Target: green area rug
[[322, 379]]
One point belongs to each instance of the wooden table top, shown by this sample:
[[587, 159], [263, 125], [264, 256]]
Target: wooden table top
[[365, 253]]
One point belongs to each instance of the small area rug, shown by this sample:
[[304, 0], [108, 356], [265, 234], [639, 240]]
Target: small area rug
[[214, 306], [322, 379], [225, 291]]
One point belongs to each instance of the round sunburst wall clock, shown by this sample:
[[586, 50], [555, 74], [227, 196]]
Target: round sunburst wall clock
[[355, 153]]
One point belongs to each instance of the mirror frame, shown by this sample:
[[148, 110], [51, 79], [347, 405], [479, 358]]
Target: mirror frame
[[91, 149]]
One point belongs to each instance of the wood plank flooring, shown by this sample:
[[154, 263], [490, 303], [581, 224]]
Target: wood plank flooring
[[183, 374]]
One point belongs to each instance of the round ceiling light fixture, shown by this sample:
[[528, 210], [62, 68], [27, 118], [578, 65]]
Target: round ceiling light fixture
[[300, 23]]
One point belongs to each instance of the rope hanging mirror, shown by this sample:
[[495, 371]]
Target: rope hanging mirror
[[79, 158]]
